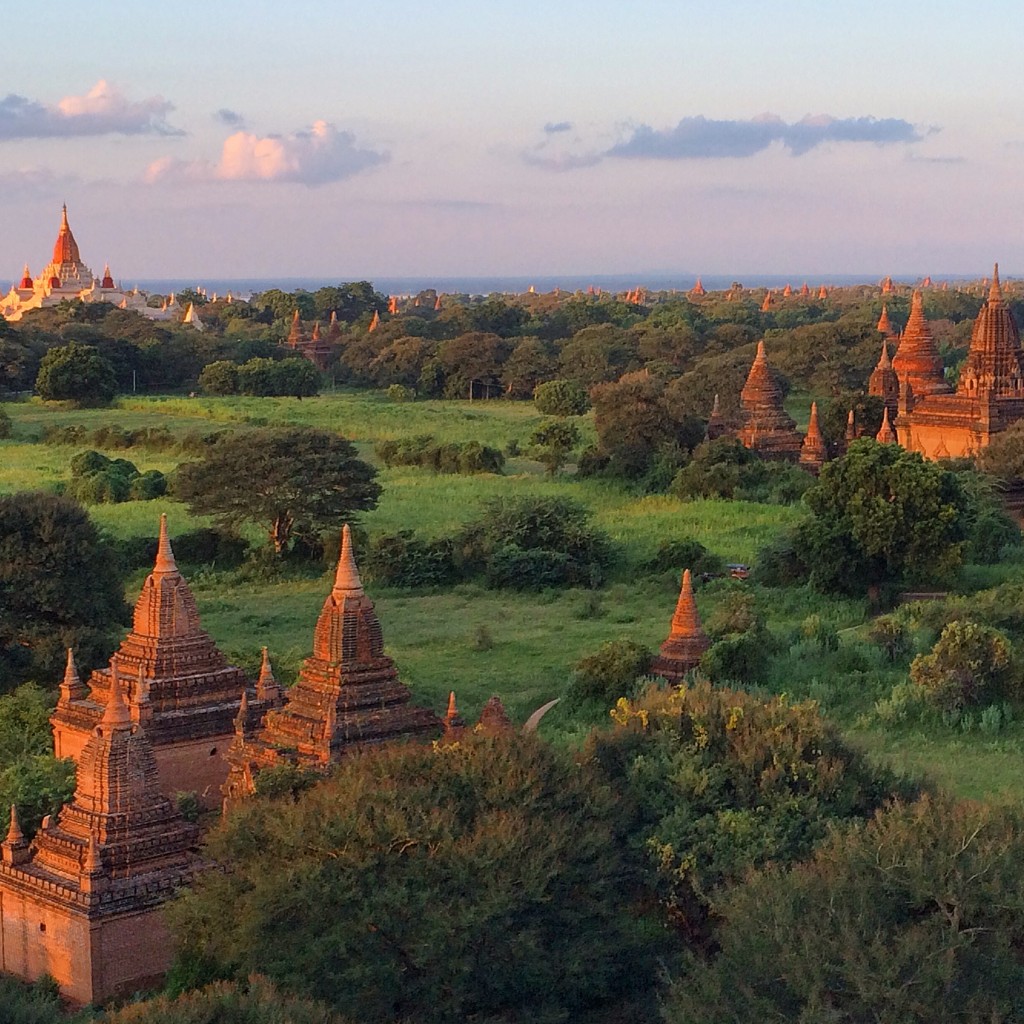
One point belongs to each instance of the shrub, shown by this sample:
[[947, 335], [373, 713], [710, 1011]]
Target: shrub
[[464, 457], [684, 553], [6, 428], [561, 398], [779, 563], [610, 673], [890, 633], [403, 560], [219, 378], [969, 665], [743, 658], [400, 393], [148, 485]]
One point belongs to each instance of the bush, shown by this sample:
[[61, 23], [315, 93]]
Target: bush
[[76, 373], [684, 553], [970, 665], [890, 633], [403, 560], [466, 457], [147, 486], [400, 393], [219, 378], [779, 563], [6, 428], [612, 672], [561, 398], [743, 658], [528, 543], [96, 480]]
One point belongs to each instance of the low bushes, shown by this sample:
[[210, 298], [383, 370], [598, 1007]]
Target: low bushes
[[465, 457], [96, 480]]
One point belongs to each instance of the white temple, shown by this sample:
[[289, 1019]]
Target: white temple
[[67, 277]]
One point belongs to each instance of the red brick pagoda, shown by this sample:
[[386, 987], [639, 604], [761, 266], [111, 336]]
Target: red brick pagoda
[[767, 428], [347, 695], [686, 641], [82, 902], [917, 361], [814, 451], [181, 687]]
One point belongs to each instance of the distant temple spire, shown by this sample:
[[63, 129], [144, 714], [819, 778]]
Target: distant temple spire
[[886, 435], [813, 452], [686, 642]]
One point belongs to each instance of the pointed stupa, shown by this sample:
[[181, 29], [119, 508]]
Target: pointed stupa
[[493, 719], [851, 427], [686, 643], [65, 249], [116, 715], [14, 850], [994, 363], [267, 688], [787, 291], [767, 427], [887, 285], [805, 291], [107, 281], [883, 381], [392, 304], [453, 721], [917, 359], [15, 837], [437, 303], [768, 302], [717, 427], [333, 328], [191, 318], [348, 693], [698, 288], [242, 718], [296, 335], [885, 324], [374, 321], [71, 687], [886, 435], [822, 292], [26, 279], [813, 452]]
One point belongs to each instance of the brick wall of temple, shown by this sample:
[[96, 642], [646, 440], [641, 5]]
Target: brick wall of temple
[[131, 953], [195, 766], [68, 742], [39, 938]]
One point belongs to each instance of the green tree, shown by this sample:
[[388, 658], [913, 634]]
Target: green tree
[[882, 516], [917, 917], [290, 479], [970, 664], [561, 398], [598, 354], [76, 373], [529, 364], [60, 587], [480, 880], [723, 781], [552, 441], [293, 376], [219, 378]]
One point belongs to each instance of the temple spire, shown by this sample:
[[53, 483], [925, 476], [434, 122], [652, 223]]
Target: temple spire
[[15, 837], [116, 715], [686, 642], [266, 685], [164, 555], [346, 578], [813, 451], [886, 435], [995, 293]]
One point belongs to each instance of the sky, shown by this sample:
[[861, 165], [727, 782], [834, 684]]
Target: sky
[[348, 140]]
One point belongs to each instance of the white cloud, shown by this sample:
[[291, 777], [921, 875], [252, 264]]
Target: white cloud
[[316, 156], [103, 110]]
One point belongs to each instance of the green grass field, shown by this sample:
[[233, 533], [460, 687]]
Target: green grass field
[[520, 646]]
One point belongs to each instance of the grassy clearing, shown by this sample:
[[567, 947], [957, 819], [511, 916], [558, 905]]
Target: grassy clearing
[[521, 646]]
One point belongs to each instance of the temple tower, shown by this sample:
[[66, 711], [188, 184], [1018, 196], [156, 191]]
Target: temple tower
[[686, 642], [813, 452], [181, 685], [886, 434], [347, 695], [883, 381], [82, 902], [994, 361], [917, 359], [767, 428]]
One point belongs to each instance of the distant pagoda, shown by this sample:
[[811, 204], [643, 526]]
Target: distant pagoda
[[347, 695], [767, 428], [813, 451], [917, 360]]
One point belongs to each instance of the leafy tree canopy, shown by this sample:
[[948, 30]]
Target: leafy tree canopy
[[76, 373], [289, 479]]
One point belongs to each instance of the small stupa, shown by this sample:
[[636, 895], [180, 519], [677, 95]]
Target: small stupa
[[814, 451], [917, 359], [767, 428], [886, 434], [686, 643]]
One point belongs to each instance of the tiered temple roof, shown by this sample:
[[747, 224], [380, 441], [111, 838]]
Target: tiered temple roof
[[348, 693], [994, 361], [767, 428], [686, 642], [182, 686], [883, 381], [917, 360], [119, 849], [814, 452]]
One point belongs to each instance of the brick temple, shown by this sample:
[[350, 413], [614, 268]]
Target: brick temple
[[348, 694], [313, 346], [181, 687], [989, 395], [82, 902], [767, 428]]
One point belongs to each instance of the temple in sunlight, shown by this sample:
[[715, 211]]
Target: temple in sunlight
[[348, 695], [936, 421]]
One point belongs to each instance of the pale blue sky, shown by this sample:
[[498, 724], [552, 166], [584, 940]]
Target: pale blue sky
[[484, 138]]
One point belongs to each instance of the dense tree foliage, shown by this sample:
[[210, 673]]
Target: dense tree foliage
[[478, 880], [60, 587], [76, 373], [917, 916], [882, 516], [291, 480]]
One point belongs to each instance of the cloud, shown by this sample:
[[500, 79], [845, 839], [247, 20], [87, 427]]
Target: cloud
[[314, 157], [36, 182], [103, 110], [699, 138], [553, 127], [229, 117]]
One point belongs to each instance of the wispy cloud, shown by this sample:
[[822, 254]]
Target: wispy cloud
[[36, 182], [103, 110], [229, 117], [702, 138], [696, 138], [315, 156]]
